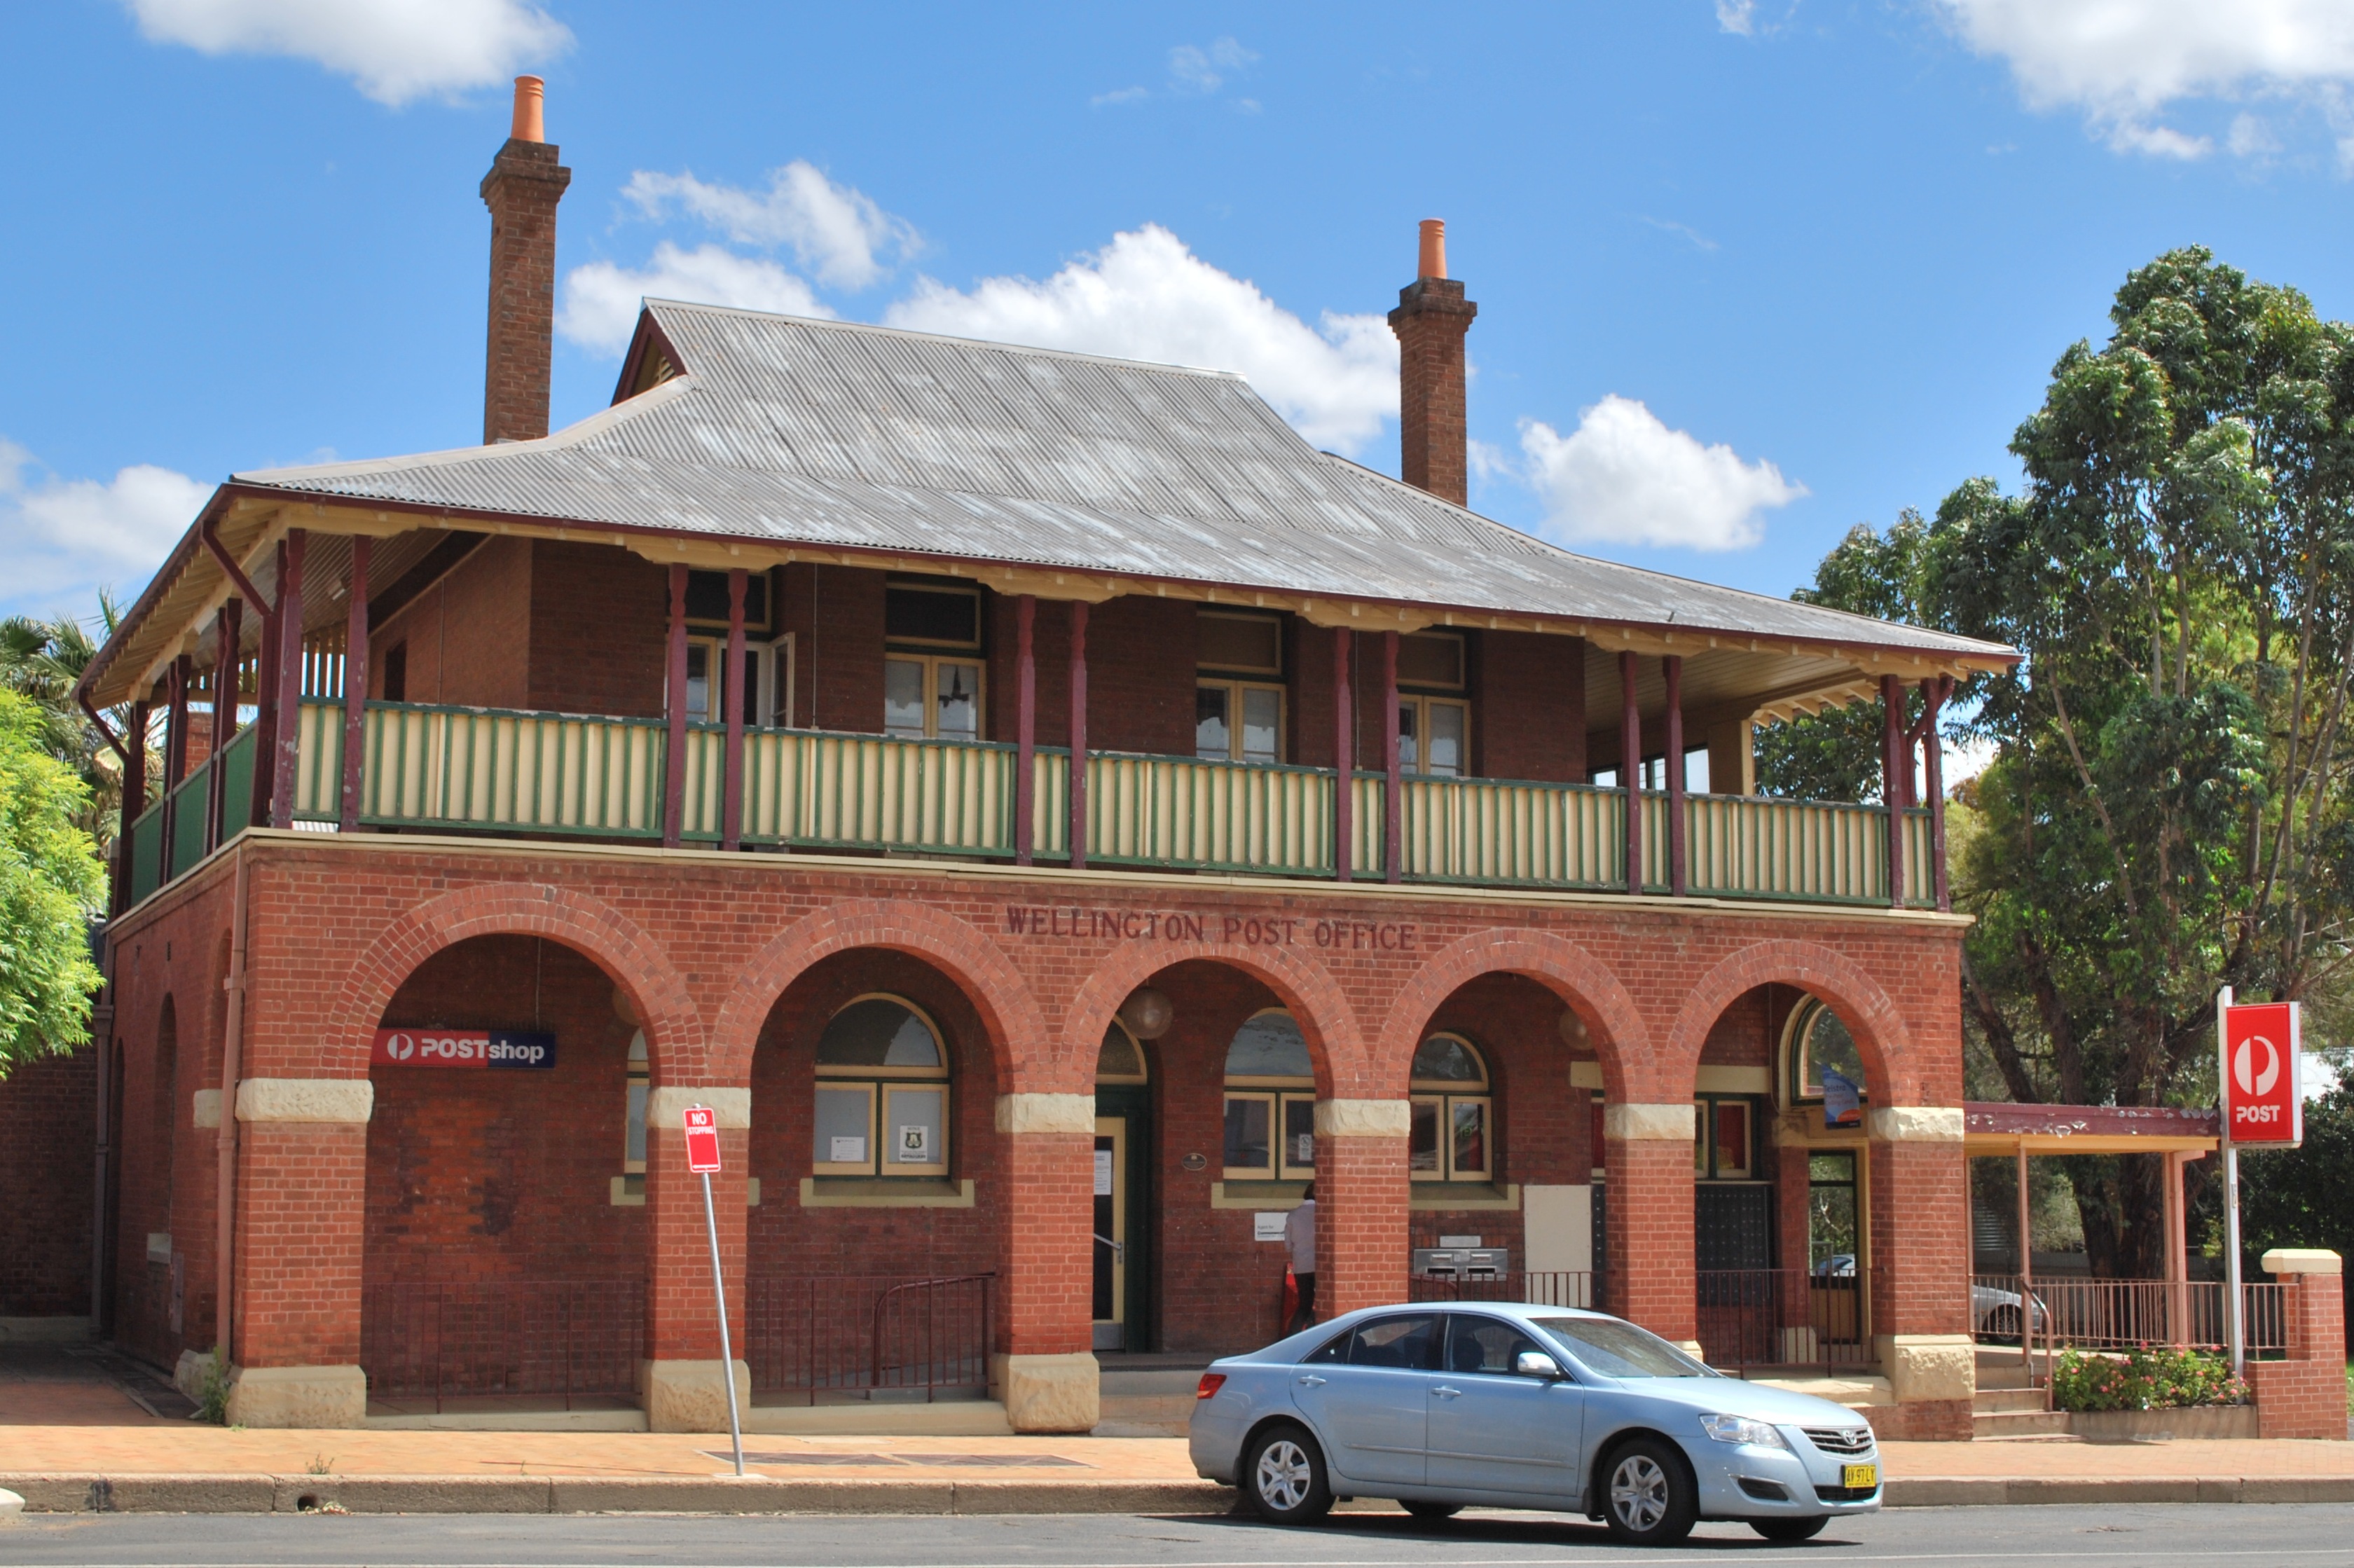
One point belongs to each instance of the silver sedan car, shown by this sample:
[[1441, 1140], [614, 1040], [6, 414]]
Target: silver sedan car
[[1510, 1405]]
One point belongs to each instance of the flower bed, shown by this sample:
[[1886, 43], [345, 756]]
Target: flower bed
[[2143, 1379]]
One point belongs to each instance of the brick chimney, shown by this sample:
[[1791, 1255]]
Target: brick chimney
[[1430, 320], [521, 189]]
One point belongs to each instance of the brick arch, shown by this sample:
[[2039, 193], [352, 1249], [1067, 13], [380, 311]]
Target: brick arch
[[1335, 1043], [1622, 1040], [1010, 1017], [630, 959], [1881, 1035]]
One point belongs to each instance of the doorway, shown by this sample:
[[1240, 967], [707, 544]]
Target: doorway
[[1123, 1249]]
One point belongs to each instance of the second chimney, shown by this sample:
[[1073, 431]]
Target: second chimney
[[521, 189], [1430, 320]]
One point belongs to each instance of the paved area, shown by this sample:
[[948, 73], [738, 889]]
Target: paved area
[[2292, 1537]]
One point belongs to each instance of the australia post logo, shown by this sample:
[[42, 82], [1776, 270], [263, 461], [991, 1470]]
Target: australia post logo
[[2263, 1100], [462, 1048]]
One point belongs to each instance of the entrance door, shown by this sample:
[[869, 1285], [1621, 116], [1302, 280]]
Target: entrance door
[[1112, 1239]]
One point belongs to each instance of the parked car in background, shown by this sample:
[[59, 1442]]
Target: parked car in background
[[1516, 1405], [1995, 1313]]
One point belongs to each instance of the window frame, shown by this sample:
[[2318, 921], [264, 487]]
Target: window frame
[[960, 591], [1280, 1093], [1420, 705], [1462, 662], [1144, 1076], [1798, 1035], [878, 1083], [1707, 1145], [1443, 1095], [637, 1092], [931, 663], [1235, 688], [1273, 672]]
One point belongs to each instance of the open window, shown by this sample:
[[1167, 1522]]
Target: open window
[[1270, 1102], [1452, 1134], [881, 1102]]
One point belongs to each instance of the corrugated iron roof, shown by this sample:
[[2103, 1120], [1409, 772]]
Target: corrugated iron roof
[[831, 434]]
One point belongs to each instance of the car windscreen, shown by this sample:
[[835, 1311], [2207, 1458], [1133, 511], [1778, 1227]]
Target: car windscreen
[[1615, 1349]]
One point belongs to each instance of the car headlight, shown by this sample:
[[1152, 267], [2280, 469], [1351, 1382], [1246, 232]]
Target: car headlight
[[1741, 1429]]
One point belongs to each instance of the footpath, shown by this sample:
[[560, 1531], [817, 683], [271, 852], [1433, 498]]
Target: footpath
[[72, 1440]]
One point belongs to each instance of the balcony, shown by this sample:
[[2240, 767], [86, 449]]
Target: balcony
[[467, 770]]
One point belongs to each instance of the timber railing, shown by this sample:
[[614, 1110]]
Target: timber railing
[[441, 769]]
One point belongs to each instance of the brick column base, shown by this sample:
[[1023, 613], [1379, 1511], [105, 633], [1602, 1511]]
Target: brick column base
[[679, 1381], [297, 1396], [1647, 1161], [688, 1396], [1361, 1203], [1042, 1367]]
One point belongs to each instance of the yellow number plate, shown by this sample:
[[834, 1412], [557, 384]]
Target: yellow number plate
[[1859, 1475]]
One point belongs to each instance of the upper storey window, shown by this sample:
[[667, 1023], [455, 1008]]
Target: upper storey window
[[1433, 721], [764, 689], [1238, 695], [932, 669]]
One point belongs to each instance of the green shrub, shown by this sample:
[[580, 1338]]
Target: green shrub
[[2143, 1379]]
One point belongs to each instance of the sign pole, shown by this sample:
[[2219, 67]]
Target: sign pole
[[727, 1353], [702, 1160], [2234, 1331]]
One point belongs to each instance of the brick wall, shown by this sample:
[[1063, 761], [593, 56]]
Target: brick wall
[[2305, 1395], [599, 623], [469, 635], [1529, 706], [49, 1135]]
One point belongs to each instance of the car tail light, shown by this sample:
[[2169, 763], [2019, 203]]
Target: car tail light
[[1210, 1384]]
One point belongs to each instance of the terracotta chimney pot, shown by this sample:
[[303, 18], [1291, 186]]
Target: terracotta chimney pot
[[1434, 247], [531, 125]]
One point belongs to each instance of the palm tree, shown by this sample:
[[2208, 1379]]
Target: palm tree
[[41, 659]]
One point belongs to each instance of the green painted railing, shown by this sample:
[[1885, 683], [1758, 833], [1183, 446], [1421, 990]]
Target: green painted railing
[[1182, 812], [566, 774]]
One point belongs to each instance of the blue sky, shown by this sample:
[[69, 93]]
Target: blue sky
[[1749, 273]]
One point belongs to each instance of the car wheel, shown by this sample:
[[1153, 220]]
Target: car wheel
[[1433, 1511], [2002, 1325], [1283, 1477], [1647, 1495], [1790, 1530]]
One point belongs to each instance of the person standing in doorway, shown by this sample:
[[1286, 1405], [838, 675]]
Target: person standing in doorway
[[1299, 1241]]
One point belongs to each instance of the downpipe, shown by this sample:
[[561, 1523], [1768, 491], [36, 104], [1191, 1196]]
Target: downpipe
[[225, 1138]]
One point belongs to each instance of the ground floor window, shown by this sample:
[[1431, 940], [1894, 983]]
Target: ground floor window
[[881, 1102], [1271, 1109], [1451, 1134]]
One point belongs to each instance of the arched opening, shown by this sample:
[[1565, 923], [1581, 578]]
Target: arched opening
[[1505, 1194], [877, 1187], [503, 1259]]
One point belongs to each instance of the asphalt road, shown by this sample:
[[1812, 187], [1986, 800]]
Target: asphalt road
[[2237, 1537]]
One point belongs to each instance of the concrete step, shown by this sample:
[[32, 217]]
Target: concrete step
[[2010, 1376], [2003, 1401], [1145, 1415], [2019, 1424]]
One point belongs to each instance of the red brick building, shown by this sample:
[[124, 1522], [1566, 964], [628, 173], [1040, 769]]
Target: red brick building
[[1052, 814]]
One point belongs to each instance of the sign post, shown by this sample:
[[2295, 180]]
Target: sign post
[[2259, 1049], [702, 1160]]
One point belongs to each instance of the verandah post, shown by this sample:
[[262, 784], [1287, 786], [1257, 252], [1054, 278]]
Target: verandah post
[[1393, 788], [1026, 725], [1895, 782], [1672, 669], [175, 755], [1344, 762], [228, 631], [731, 692], [1630, 768], [134, 806], [1932, 780], [675, 751], [265, 701], [286, 740], [1078, 790], [355, 687]]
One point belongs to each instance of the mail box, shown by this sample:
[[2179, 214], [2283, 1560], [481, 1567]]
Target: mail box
[[1463, 1262]]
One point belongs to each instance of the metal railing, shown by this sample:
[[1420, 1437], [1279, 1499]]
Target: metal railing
[[1779, 1318], [548, 1338], [1556, 1287], [2070, 1313], [837, 1338]]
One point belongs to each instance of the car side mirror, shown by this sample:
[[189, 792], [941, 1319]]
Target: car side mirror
[[1535, 1363]]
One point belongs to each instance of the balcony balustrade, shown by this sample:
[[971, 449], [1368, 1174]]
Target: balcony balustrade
[[433, 769]]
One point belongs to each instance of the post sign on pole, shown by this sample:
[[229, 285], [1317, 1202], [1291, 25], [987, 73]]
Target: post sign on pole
[[2263, 1099], [702, 1160], [701, 1140]]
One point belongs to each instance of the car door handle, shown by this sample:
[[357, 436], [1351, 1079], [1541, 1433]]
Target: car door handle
[[1311, 1382], [1445, 1393]]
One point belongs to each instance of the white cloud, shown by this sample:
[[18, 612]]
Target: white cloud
[[1192, 68], [1737, 16], [1622, 477], [1120, 96], [395, 49], [1146, 296], [837, 232], [66, 538], [2124, 63], [601, 299]]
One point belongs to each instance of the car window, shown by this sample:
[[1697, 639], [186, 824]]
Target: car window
[[1616, 1348], [1335, 1349], [1409, 1340], [1486, 1344]]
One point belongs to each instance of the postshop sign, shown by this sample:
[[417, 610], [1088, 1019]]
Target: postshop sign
[[2264, 1102], [462, 1048]]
